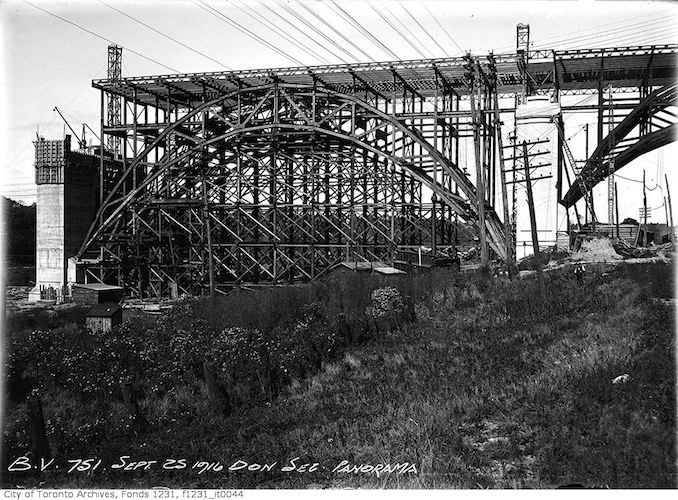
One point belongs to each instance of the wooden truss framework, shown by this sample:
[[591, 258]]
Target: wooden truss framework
[[275, 176], [278, 183]]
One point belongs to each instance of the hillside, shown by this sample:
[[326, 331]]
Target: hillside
[[20, 232], [488, 388]]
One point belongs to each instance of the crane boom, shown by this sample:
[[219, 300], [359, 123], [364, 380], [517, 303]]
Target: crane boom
[[80, 141]]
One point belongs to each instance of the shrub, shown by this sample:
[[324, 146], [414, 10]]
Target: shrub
[[387, 302]]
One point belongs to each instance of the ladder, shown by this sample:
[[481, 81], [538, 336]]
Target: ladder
[[578, 172]]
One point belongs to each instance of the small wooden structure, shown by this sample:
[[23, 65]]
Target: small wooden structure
[[95, 293], [103, 317], [373, 268]]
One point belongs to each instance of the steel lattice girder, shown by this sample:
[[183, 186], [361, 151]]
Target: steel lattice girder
[[572, 71], [274, 182], [653, 110]]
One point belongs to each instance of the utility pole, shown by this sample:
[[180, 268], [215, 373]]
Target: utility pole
[[586, 158], [644, 213], [668, 195], [610, 164], [518, 155], [533, 224], [616, 208]]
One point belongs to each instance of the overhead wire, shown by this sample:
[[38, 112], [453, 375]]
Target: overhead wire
[[394, 28], [305, 33], [11, 162], [409, 32], [343, 37], [404, 27], [627, 37], [263, 20], [435, 18], [223, 17], [85, 87], [362, 29], [59, 79], [101, 37], [598, 32], [607, 25], [165, 35], [422, 28], [305, 22], [562, 37]]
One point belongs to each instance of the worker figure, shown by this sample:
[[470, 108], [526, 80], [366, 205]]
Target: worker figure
[[579, 273]]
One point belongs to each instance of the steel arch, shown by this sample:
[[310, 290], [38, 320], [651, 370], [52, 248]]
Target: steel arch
[[276, 113], [656, 125]]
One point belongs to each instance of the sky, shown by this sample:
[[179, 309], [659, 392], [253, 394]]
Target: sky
[[48, 62]]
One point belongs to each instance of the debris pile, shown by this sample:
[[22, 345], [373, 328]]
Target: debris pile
[[629, 252], [596, 250]]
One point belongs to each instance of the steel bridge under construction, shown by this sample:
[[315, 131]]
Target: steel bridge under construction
[[276, 175]]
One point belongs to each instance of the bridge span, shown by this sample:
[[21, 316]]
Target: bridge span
[[276, 175]]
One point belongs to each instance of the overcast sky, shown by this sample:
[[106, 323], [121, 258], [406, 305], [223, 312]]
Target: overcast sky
[[49, 62]]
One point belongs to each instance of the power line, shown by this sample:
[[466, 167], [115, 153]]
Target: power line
[[166, 36], [347, 40], [652, 38], [441, 27], [362, 29], [622, 37], [317, 31], [597, 30], [422, 28], [223, 17], [281, 33], [621, 34], [404, 26], [11, 162], [101, 37], [394, 28], [568, 36], [304, 33]]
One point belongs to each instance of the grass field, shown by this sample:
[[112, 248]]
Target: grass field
[[488, 388]]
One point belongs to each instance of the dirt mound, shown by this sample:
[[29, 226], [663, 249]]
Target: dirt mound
[[596, 250]]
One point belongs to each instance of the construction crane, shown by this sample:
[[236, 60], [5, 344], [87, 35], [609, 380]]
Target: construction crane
[[81, 142]]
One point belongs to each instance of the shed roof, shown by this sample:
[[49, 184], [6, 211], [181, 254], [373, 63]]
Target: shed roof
[[388, 270], [377, 267], [103, 310], [99, 287]]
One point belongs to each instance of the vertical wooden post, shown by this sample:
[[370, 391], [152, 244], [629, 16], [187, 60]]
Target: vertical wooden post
[[36, 423], [434, 236], [216, 390], [132, 406], [206, 207], [533, 224], [616, 208], [586, 156], [510, 254], [101, 160], [644, 212], [668, 195], [480, 183], [208, 230]]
